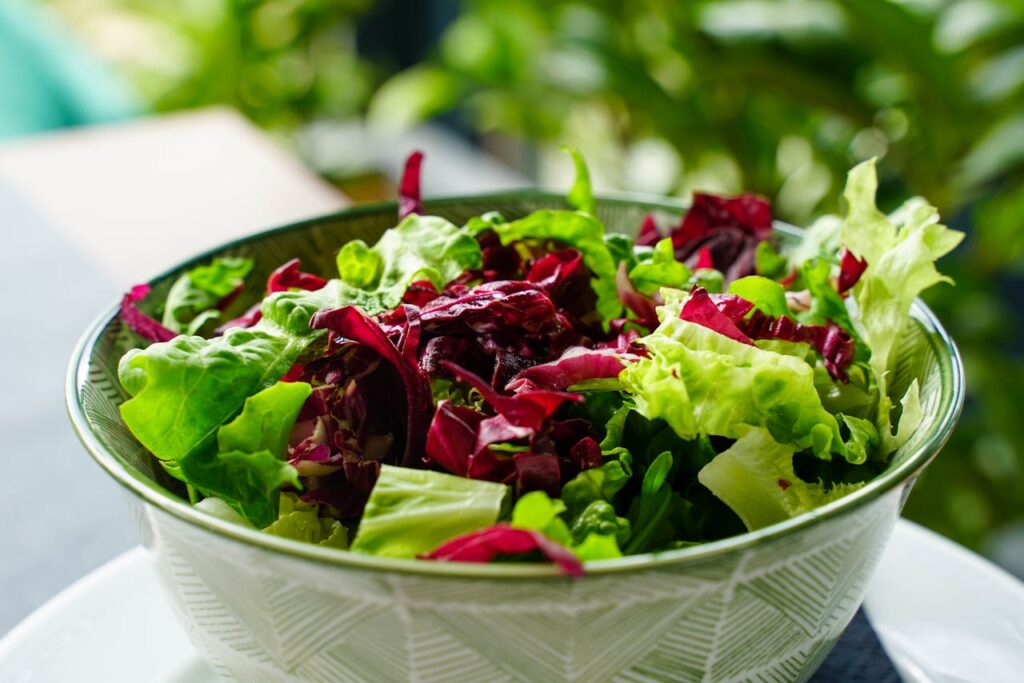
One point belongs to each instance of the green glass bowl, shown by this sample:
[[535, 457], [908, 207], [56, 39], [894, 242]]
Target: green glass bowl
[[766, 605]]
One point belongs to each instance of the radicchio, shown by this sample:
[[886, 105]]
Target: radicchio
[[465, 441], [719, 232], [140, 323], [501, 540], [409, 188], [850, 270], [289, 276], [576, 365], [349, 323]]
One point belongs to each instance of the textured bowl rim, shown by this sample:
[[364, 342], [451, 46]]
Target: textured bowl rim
[[152, 493]]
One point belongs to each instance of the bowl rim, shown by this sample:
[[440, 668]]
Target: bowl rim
[[159, 497]]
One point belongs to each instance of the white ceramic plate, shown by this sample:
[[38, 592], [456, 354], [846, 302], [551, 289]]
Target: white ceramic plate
[[943, 613]]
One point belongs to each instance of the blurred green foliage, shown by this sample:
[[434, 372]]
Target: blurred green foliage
[[782, 97], [281, 62]]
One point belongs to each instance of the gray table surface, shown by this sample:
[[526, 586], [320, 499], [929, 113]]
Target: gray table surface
[[60, 515]]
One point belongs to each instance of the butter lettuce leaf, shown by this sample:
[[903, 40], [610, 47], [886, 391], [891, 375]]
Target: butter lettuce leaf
[[374, 279], [418, 248], [184, 389], [246, 468], [193, 298], [248, 482], [411, 512]]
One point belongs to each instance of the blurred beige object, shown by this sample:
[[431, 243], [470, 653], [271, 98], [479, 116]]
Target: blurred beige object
[[140, 196]]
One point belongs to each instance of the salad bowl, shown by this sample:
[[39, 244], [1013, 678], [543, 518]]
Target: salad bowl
[[765, 605]]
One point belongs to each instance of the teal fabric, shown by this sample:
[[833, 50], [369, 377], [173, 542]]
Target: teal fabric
[[47, 80]]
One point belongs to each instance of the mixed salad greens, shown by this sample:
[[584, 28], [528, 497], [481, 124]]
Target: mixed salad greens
[[540, 388]]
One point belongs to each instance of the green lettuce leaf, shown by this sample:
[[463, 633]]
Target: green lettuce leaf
[[901, 252], [300, 521], [596, 533], [246, 468], [192, 299], [581, 196], [755, 478], [249, 482], [769, 262], [768, 296], [183, 390], [597, 484], [375, 279], [536, 511], [702, 382], [598, 547], [599, 519], [418, 248], [411, 512], [266, 420], [660, 269]]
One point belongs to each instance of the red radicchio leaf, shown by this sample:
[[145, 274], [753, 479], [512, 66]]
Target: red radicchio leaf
[[850, 270], [527, 409], [409, 188], [729, 228], [704, 259], [494, 306], [643, 307], [502, 539], [586, 454], [574, 366], [139, 322], [420, 293], [247, 319], [566, 279], [289, 276], [538, 472], [351, 324], [700, 309], [708, 213], [648, 235], [454, 442]]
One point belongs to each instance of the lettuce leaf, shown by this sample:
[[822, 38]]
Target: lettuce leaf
[[900, 252], [581, 196], [249, 482], [411, 512], [299, 521], [768, 296], [246, 468], [374, 279], [418, 248], [702, 382], [659, 269], [755, 478], [183, 390], [194, 297]]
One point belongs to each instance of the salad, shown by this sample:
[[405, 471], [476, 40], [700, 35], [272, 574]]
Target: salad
[[538, 388]]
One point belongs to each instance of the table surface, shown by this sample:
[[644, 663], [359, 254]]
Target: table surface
[[86, 213]]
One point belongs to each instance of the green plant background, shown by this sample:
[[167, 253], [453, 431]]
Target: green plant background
[[779, 96]]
